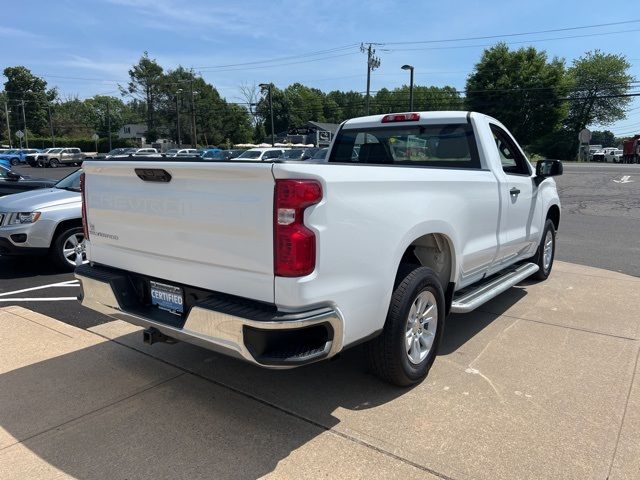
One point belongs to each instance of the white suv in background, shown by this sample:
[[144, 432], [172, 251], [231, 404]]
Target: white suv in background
[[181, 152], [260, 154]]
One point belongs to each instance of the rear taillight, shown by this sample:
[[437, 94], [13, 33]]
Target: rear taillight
[[401, 117], [83, 192], [294, 244]]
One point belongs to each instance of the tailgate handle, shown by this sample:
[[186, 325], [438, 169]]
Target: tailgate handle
[[153, 175]]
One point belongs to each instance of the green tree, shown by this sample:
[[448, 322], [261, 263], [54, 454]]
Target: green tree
[[599, 83], [351, 104], [73, 118], [22, 85], [259, 133], [606, 138], [281, 111], [145, 82], [101, 108], [305, 104], [521, 88]]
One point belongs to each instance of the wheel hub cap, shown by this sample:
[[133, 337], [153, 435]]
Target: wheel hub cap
[[548, 251], [421, 327]]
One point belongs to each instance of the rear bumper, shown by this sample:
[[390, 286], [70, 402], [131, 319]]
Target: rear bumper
[[239, 328]]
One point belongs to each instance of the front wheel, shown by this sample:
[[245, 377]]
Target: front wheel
[[546, 252], [15, 161], [69, 249], [406, 349], [53, 163]]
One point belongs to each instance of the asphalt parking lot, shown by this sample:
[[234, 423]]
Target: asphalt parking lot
[[541, 382]]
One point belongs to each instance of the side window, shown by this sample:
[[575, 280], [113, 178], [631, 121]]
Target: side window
[[513, 162], [272, 154]]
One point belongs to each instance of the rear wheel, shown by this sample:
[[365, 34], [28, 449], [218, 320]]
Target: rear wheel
[[546, 252], [53, 163], [404, 352], [15, 161], [69, 249]]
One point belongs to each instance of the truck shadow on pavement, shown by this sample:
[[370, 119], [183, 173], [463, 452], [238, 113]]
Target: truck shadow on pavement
[[24, 267], [123, 409]]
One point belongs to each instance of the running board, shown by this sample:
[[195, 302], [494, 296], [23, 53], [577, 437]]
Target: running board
[[484, 292]]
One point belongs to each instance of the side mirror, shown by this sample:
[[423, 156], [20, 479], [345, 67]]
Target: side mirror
[[11, 175], [548, 168]]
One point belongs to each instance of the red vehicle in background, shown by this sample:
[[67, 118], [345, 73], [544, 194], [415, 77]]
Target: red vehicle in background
[[631, 150]]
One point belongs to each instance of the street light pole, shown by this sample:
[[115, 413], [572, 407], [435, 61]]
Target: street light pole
[[178, 115], [269, 87], [410, 68], [24, 121], [194, 139]]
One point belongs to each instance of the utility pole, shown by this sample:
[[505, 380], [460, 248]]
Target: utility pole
[[109, 122], [178, 116], [53, 137], [6, 113], [373, 62], [269, 87], [194, 140], [24, 121]]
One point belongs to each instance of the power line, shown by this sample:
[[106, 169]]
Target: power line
[[453, 47], [279, 59], [487, 37]]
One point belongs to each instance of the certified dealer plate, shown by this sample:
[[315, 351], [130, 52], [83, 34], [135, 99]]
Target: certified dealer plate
[[167, 297]]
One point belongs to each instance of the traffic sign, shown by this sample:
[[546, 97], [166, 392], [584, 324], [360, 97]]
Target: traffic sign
[[584, 136], [19, 134], [95, 136]]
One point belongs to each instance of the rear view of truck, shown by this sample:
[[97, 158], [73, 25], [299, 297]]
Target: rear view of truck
[[190, 250]]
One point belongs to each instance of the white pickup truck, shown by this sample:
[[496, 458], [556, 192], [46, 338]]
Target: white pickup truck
[[410, 217]]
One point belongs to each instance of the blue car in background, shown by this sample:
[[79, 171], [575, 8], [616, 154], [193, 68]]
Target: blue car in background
[[17, 155]]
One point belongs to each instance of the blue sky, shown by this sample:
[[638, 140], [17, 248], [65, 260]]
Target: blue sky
[[86, 47]]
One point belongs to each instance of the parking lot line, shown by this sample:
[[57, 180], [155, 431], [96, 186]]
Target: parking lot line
[[68, 283], [43, 299]]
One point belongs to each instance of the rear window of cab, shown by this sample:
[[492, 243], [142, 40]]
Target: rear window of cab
[[444, 146]]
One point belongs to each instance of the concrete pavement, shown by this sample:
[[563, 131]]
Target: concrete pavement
[[542, 382]]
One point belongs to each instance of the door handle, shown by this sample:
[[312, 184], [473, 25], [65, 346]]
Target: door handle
[[514, 191]]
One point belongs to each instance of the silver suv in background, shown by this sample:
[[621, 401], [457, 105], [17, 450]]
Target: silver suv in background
[[45, 222]]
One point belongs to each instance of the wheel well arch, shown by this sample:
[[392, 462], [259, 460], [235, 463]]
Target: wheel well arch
[[433, 250], [65, 224], [553, 214]]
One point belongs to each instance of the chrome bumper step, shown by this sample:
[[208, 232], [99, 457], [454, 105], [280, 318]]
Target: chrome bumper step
[[469, 300]]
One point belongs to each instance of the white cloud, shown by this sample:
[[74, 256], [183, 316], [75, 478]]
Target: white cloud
[[115, 69], [172, 14]]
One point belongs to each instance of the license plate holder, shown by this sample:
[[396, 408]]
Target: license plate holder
[[167, 297]]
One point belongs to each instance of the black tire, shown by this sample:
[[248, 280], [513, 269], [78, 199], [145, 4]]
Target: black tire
[[387, 354], [538, 259], [15, 161], [57, 247], [53, 163]]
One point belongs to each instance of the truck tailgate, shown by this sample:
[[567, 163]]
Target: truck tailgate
[[210, 226]]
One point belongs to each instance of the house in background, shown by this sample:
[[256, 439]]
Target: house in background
[[133, 131]]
